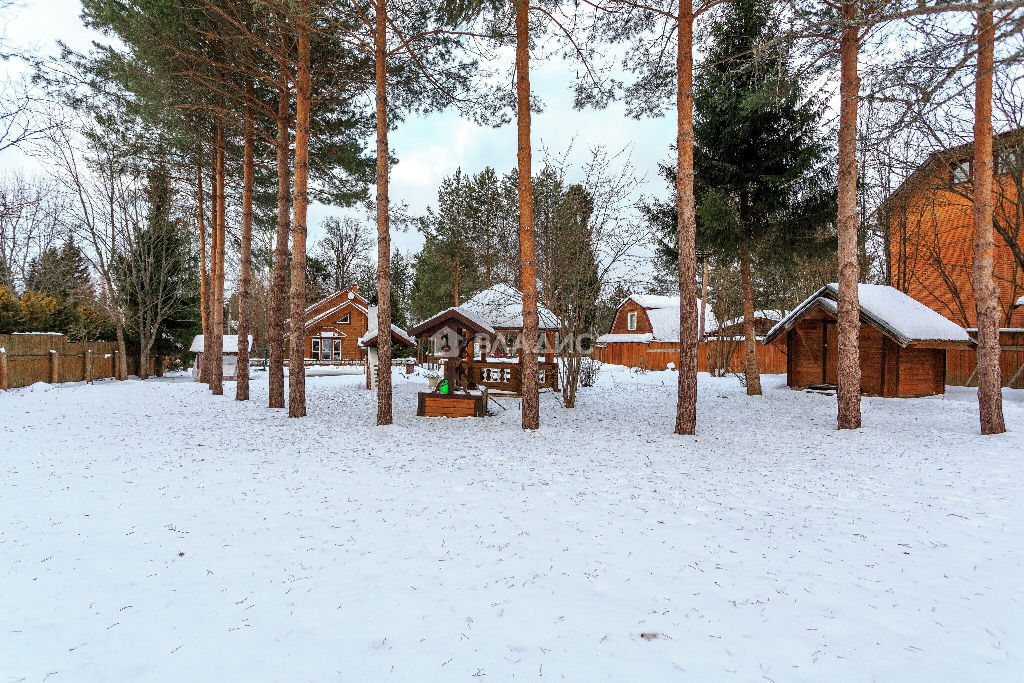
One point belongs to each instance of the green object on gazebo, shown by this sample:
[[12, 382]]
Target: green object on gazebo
[[443, 386]]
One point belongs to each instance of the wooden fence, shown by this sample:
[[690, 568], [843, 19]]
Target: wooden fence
[[713, 353], [29, 358], [960, 365]]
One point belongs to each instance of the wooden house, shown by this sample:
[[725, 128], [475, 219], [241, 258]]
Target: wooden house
[[333, 328], [931, 231], [903, 343], [645, 333], [229, 356]]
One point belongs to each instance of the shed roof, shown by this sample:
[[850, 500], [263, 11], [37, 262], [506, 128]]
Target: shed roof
[[901, 317], [230, 343]]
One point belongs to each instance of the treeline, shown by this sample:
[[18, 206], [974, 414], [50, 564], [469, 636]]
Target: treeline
[[222, 121]]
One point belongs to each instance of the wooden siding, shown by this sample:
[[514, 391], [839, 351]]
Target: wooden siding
[[31, 358], [960, 365], [657, 355], [931, 247], [886, 369], [353, 330], [621, 323]]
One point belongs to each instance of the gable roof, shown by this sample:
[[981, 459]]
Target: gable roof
[[900, 317], [342, 295], [331, 311], [455, 314], [501, 307]]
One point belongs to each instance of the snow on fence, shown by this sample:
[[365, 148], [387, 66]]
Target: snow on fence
[[29, 358]]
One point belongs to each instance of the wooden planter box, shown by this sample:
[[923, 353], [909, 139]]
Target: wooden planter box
[[433, 404]]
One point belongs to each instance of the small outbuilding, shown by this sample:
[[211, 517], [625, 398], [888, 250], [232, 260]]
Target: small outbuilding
[[399, 338], [229, 356], [903, 343]]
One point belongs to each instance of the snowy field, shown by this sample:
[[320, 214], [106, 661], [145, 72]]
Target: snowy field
[[151, 531]]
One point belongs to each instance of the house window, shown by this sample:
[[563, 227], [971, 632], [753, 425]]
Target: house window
[[345, 319], [325, 349], [631, 321], [1006, 161], [961, 171]]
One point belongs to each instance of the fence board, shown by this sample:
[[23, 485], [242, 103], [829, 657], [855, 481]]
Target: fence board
[[960, 365], [28, 358]]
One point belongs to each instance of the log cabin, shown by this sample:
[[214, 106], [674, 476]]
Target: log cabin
[[334, 325], [903, 343]]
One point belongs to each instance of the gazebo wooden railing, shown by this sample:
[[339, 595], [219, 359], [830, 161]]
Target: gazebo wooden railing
[[507, 378]]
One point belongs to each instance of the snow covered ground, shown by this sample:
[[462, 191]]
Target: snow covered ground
[[150, 531]]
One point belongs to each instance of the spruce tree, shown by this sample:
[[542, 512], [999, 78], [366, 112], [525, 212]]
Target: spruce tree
[[762, 186]]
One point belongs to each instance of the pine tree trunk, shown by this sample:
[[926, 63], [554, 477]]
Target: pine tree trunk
[[211, 289], [686, 406], [986, 296], [245, 277], [296, 339], [753, 374], [217, 338], [527, 258], [848, 326], [204, 302], [275, 332], [384, 396]]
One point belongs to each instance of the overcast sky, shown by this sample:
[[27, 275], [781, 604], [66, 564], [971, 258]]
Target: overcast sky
[[431, 147]]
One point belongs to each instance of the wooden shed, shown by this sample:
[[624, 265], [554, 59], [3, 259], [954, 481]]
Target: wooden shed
[[399, 338], [903, 343], [229, 356]]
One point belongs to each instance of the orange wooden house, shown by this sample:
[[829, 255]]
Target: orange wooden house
[[931, 232], [334, 326], [903, 343], [644, 333]]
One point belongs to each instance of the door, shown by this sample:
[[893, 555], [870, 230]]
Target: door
[[830, 352]]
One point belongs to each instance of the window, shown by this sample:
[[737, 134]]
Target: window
[[1006, 161], [961, 171], [325, 349], [345, 319], [337, 349], [316, 349], [631, 321]]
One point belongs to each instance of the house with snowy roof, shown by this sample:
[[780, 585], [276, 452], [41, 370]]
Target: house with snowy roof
[[229, 356], [334, 326], [903, 343], [645, 332]]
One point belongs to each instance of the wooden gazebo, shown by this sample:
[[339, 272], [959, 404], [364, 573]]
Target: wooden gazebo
[[488, 326]]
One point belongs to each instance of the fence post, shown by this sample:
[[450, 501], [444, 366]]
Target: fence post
[[88, 366], [54, 366], [4, 381]]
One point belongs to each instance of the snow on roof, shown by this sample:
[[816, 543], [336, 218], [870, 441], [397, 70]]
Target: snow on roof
[[326, 314], [371, 330], [663, 312], [774, 316], [624, 338], [501, 307], [903, 318], [460, 310], [230, 343]]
